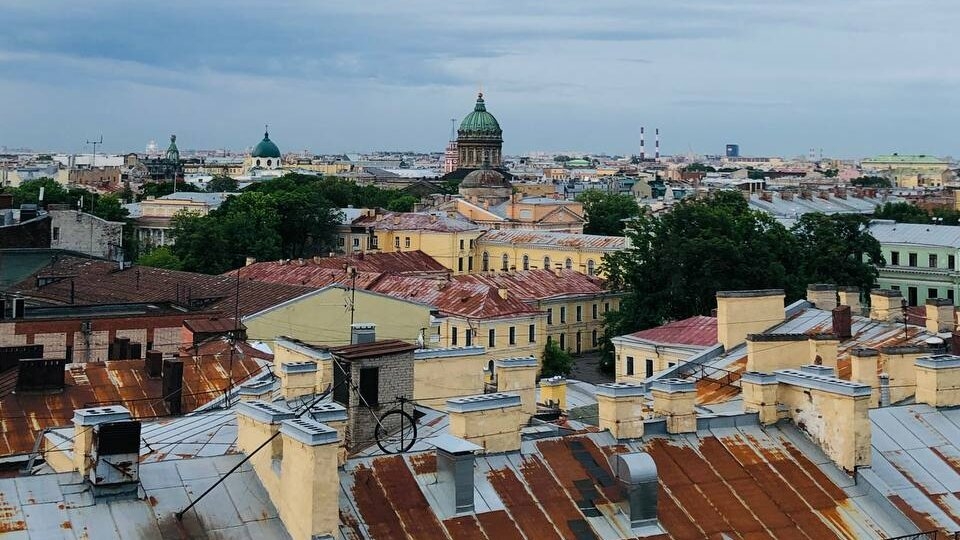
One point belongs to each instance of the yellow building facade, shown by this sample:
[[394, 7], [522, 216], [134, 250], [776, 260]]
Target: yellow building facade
[[449, 241], [529, 250]]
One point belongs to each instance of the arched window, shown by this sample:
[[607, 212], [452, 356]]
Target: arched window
[[485, 263], [505, 263], [526, 262], [569, 264], [546, 263], [590, 267], [269, 162], [258, 163]]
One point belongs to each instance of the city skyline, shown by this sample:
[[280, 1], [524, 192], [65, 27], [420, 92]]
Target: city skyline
[[855, 79]]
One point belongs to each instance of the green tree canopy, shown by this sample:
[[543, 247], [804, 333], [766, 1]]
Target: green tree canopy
[[161, 257], [872, 181], [606, 211], [902, 212], [556, 361], [699, 167], [159, 189], [222, 184]]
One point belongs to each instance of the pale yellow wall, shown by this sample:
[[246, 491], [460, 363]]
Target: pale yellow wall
[[623, 416], [436, 380], [769, 356], [558, 255], [739, 316], [863, 369], [321, 318], [309, 488], [938, 387], [762, 399], [902, 372], [502, 347], [663, 358], [839, 424], [442, 246], [586, 325], [170, 207], [496, 430]]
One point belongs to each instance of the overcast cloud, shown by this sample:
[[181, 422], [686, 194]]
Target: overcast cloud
[[853, 77]]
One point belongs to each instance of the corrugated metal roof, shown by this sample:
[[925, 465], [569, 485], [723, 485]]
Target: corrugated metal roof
[[698, 330], [552, 239], [376, 348], [95, 282], [889, 232], [531, 285], [62, 506], [322, 271], [416, 221], [472, 300], [121, 382]]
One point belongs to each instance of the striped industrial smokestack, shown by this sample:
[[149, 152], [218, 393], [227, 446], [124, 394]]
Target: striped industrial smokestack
[[657, 155], [643, 153]]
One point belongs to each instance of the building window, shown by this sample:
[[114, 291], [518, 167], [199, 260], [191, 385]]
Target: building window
[[546, 263], [471, 243], [492, 338], [460, 264], [526, 262], [269, 162], [453, 335], [258, 163], [579, 342], [563, 341], [461, 244], [396, 242], [933, 260], [340, 240], [485, 261], [563, 314], [370, 386], [56, 233], [579, 313], [594, 310], [568, 264], [470, 263], [550, 315], [505, 262], [468, 337], [951, 262], [606, 307], [895, 287], [590, 267], [895, 258], [356, 243], [629, 365], [406, 242], [513, 335], [649, 367], [950, 294], [374, 243], [532, 335], [912, 258], [932, 293]]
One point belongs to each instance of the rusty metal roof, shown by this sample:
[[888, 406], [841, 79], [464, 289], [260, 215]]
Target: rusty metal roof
[[95, 282], [742, 482], [211, 325], [699, 330], [121, 382], [323, 271], [415, 221], [454, 297], [540, 238], [374, 349], [532, 285]]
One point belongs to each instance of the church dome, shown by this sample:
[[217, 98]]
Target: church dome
[[265, 148], [485, 178], [480, 122]]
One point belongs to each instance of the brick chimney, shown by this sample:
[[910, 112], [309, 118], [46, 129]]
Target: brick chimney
[[743, 312], [621, 409]]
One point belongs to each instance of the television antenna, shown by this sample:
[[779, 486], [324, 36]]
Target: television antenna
[[95, 143]]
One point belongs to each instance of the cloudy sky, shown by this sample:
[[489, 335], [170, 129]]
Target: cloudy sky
[[853, 77]]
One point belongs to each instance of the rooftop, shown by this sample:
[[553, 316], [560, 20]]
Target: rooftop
[[465, 299], [700, 331], [905, 158], [553, 239], [891, 232], [531, 285], [416, 221]]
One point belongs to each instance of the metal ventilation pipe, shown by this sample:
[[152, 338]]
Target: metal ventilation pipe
[[637, 475], [884, 390]]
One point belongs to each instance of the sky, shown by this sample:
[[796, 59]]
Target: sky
[[851, 77]]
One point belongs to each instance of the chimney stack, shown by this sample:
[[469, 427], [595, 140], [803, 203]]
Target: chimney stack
[[745, 312], [643, 152], [172, 385], [154, 363], [363, 333], [940, 315], [886, 305], [83, 438], [822, 295], [842, 322], [850, 296], [637, 475], [455, 462]]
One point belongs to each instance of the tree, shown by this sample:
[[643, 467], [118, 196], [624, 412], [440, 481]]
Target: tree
[[556, 361], [108, 207], [902, 212], [830, 173], [561, 159], [872, 181], [200, 244], [402, 204], [161, 257], [159, 189], [837, 249], [222, 184], [699, 167], [606, 212]]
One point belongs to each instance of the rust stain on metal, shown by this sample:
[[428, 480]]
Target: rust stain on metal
[[498, 526], [424, 463], [922, 520], [818, 476], [833, 516], [66, 525], [674, 519], [374, 506], [523, 509], [465, 527], [407, 499], [568, 470], [9, 515], [556, 503], [353, 532], [152, 500]]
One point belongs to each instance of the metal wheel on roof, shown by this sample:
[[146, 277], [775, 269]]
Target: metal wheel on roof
[[396, 431]]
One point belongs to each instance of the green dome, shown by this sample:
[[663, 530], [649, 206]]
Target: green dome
[[480, 122], [265, 148]]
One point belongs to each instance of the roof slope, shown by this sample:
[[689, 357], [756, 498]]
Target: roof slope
[[890, 232], [553, 239], [415, 221], [474, 300], [120, 382], [529, 285], [699, 331], [738, 481], [322, 271], [95, 282]]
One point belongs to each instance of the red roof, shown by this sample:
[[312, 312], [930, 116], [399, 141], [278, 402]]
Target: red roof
[[474, 300], [700, 331], [415, 221], [531, 285], [97, 282]]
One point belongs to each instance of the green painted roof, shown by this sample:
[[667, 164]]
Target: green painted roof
[[905, 158], [265, 148], [480, 122], [173, 153]]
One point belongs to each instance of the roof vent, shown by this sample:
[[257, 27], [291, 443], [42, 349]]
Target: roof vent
[[455, 457], [637, 475], [363, 333], [172, 385], [116, 458], [40, 374]]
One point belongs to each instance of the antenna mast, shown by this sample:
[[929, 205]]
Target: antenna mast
[[93, 162]]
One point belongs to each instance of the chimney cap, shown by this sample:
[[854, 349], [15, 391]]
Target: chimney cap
[[821, 287], [262, 411], [750, 294], [889, 293], [99, 415], [634, 468], [619, 389], [309, 432], [939, 302], [455, 445]]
